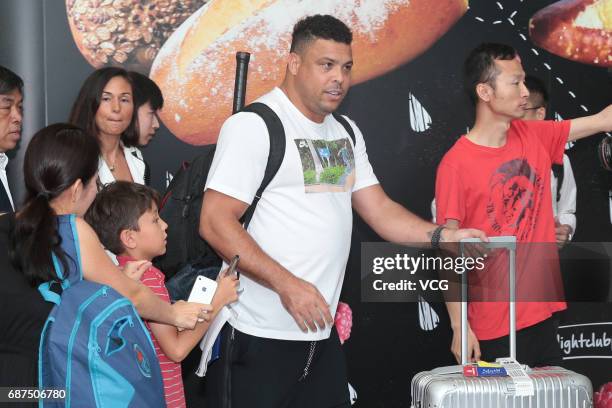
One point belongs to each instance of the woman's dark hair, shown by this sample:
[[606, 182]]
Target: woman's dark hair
[[145, 90], [56, 157], [83, 113]]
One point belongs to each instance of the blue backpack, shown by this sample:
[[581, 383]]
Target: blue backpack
[[94, 344]]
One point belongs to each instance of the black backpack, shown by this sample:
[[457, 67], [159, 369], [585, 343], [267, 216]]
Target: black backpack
[[187, 254]]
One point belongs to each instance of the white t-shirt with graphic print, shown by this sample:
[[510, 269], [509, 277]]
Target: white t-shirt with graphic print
[[304, 218]]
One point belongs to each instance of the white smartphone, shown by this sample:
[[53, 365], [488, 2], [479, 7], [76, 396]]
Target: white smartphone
[[203, 290]]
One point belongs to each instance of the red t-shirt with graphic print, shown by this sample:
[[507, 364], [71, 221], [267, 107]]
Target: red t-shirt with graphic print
[[506, 191]]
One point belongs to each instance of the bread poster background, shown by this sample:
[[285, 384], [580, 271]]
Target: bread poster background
[[406, 97]]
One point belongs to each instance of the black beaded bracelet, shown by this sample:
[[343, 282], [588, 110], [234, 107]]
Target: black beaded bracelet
[[435, 237]]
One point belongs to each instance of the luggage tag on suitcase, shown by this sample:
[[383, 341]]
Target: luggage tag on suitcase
[[523, 384]]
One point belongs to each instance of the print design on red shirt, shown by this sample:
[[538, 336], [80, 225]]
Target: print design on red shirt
[[511, 203]]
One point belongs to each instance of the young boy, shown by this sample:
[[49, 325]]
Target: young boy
[[125, 217]]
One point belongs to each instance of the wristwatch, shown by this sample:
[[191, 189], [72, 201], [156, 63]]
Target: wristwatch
[[435, 237]]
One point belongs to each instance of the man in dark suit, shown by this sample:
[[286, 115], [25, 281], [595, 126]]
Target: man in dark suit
[[11, 99]]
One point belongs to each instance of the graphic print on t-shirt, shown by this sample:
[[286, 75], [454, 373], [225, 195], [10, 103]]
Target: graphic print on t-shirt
[[512, 205], [327, 165]]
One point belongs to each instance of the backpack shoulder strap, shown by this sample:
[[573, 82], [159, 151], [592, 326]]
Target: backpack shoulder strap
[[67, 230], [347, 126], [276, 132], [558, 171]]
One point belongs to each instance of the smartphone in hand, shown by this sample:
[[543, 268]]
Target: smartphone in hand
[[203, 290], [231, 269]]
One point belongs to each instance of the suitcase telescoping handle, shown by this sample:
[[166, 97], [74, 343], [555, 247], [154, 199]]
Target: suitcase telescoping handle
[[242, 68], [504, 242]]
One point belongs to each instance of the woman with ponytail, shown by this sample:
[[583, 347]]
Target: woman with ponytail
[[60, 173]]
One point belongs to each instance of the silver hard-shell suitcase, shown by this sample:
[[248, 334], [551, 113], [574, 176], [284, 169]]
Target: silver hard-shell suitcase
[[446, 387]]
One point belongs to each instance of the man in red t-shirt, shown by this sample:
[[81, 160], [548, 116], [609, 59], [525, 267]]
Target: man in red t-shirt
[[496, 178]]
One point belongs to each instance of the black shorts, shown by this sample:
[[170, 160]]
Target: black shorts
[[536, 346], [268, 373]]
